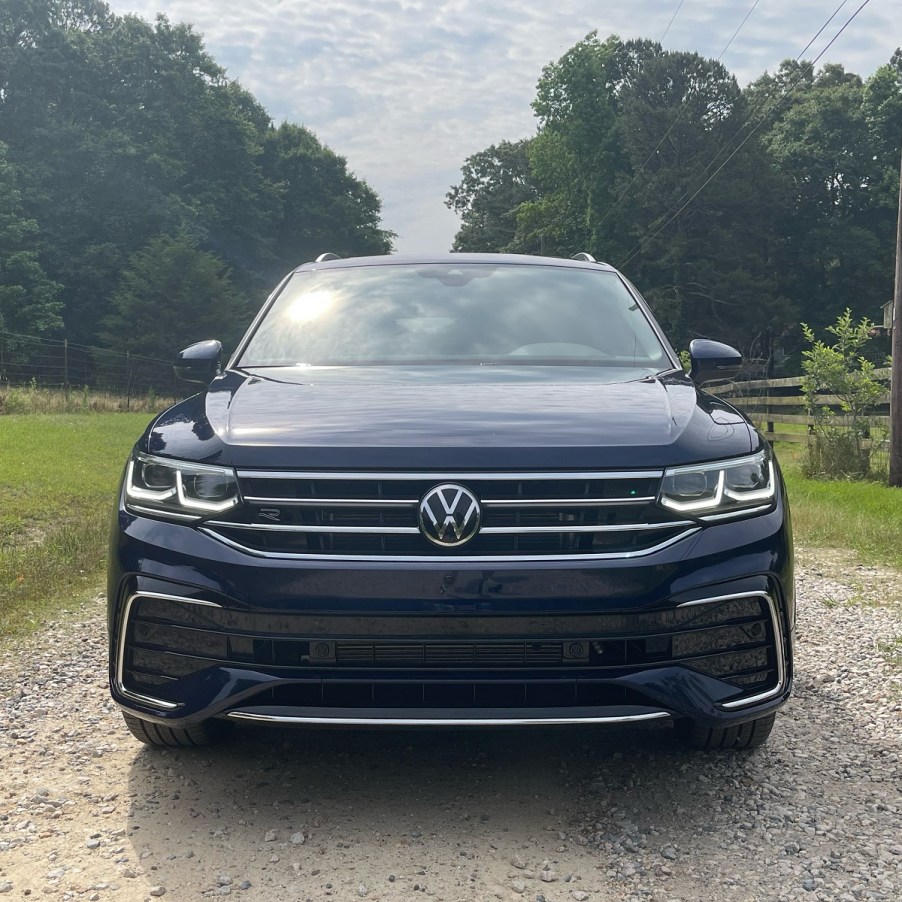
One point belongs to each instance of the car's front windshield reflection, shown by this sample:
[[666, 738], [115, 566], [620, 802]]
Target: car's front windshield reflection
[[441, 314]]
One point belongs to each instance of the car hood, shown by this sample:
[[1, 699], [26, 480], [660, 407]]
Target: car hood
[[334, 417]]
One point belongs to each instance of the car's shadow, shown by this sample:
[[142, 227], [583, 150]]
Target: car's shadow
[[469, 814], [423, 801]]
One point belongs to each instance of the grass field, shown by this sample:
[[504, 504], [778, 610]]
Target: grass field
[[863, 516], [59, 473], [58, 478]]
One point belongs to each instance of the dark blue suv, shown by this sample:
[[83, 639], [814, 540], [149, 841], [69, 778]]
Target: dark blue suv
[[461, 490]]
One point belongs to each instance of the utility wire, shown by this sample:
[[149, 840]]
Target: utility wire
[[676, 121], [671, 21], [738, 132], [770, 95], [738, 29], [821, 29], [649, 235]]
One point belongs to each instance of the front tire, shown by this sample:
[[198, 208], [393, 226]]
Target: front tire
[[205, 733], [743, 736]]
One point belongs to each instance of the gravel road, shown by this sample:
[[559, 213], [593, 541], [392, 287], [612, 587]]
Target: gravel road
[[561, 815]]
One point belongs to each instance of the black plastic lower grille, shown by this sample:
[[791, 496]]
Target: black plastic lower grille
[[168, 640]]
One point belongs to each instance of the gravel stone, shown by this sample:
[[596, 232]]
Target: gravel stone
[[814, 815]]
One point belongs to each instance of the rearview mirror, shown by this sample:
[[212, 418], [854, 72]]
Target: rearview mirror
[[712, 360], [201, 362]]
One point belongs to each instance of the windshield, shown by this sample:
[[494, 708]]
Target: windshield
[[443, 314]]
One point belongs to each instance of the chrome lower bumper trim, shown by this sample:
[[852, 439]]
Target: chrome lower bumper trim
[[441, 721], [448, 560]]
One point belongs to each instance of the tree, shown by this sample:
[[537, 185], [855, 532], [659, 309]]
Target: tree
[[29, 300], [171, 294], [628, 133], [494, 184], [703, 254], [123, 130], [320, 205], [832, 144], [574, 158]]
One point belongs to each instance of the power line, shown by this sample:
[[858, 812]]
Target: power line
[[738, 29], [671, 21], [734, 136], [649, 235], [821, 29], [676, 121], [769, 96]]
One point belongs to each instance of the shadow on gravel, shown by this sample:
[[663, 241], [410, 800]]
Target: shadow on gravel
[[419, 802]]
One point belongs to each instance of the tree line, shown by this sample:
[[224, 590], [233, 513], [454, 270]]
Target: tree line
[[739, 213], [146, 199]]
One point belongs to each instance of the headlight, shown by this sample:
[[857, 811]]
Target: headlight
[[182, 490], [722, 487]]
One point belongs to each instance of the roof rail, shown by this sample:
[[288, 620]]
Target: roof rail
[[322, 258], [584, 257]]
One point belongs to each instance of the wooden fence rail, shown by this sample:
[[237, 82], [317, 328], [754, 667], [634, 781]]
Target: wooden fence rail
[[772, 403]]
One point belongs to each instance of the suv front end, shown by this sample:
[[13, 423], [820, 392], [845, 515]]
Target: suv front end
[[453, 539]]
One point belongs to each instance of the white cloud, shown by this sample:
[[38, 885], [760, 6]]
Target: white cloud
[[406, 89]]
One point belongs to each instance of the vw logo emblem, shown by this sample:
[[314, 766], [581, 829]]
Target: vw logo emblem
[[449, 515]]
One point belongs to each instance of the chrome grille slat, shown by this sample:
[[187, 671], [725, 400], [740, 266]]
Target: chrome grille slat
[[477, 476], [488, 530], [334, 502], [565, 502], [626, 527], [277, 527]]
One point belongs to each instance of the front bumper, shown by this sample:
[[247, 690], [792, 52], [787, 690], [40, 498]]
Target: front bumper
[[201, 630]]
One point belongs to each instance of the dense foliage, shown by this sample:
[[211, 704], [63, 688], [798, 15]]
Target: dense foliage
[[121, 140], [798, 221]]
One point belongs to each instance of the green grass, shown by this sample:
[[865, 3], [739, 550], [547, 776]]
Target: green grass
[[891, 651], [58, 479], [863, 516]]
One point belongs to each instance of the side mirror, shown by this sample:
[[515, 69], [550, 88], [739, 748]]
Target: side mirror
[[202, 362], [712, 360]]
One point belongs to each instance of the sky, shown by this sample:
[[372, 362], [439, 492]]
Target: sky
[[405, 90]]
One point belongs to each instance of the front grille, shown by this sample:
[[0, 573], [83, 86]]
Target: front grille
[[732, 640], [533, 515]]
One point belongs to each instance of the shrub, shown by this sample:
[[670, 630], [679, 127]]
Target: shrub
[[841, 445]]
